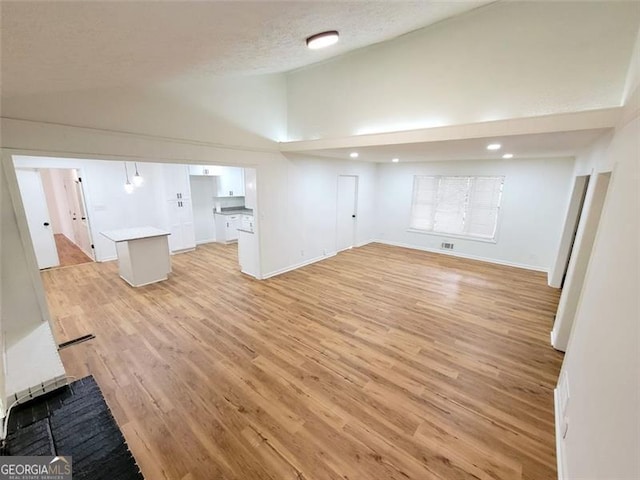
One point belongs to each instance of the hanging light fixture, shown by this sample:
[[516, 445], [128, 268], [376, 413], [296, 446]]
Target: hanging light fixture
[[128, 186], [137, 178]]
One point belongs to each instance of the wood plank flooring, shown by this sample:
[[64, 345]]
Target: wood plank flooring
[[380, 363], [68, 252]]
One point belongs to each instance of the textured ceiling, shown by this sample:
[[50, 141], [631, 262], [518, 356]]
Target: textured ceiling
[[546, 145], [64, 46]]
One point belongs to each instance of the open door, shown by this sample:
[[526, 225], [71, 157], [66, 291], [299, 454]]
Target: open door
[[79, 217], [38, 218], [346, 211]]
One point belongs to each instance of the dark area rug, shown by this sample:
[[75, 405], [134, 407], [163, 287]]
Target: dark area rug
[[73, 420]]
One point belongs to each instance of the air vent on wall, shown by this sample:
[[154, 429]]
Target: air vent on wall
[[447, 246]]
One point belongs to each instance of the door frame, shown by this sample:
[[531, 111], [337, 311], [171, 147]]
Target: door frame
[[36, 171], [569, 233], [83, 199], [355, 209], [579, 261]]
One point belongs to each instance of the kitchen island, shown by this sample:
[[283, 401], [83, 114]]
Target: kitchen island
[[143, 254]]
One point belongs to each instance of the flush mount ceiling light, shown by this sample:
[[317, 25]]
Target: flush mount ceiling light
[[494, 146], [395, 160], [137, 178], [507, 155], [354, 154], [323, 39]]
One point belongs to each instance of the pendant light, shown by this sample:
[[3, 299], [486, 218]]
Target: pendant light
[[128, 186], [137, 178]]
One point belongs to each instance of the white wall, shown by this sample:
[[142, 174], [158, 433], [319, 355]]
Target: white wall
[[227, 111], [203, 189], [535, 196], [297, 198], [23, 305], [53, 181], [507, 60], [108, 205], [52, 202], [603, 358]]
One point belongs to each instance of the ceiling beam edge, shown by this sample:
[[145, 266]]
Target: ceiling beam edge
[[563, 122]]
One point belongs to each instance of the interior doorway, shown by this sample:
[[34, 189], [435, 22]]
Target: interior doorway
[[567, 242], [56, 212], [347, 205], [579, 260]]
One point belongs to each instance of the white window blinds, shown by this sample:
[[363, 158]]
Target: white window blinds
[[465, 206]]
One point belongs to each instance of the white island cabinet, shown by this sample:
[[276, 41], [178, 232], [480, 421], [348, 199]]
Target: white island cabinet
[[143, 254]]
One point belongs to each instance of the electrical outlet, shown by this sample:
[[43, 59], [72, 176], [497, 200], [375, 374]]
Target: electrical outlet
[[324, 252], [446, 246], [302, 253]]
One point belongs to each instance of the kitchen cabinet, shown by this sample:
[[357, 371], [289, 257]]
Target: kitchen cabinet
[[227, 227], [205, 170], [180, 216], [231, 182], [143, 254], [178, 211]]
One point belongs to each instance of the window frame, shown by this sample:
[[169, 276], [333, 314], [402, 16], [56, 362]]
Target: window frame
[[445, 235]]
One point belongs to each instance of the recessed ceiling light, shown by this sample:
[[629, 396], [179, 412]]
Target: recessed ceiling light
[[494, 146], [353, 154], [395, 160], [321, 40], [507, 155]]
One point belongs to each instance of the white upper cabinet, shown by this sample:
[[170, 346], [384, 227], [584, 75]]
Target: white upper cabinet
[[205, 170], [231, 182], [176, 182]]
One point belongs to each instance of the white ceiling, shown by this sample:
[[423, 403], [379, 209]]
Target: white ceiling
[[66, 46], [546, 145]]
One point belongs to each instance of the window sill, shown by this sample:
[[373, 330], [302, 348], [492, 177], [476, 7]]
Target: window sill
[[445, 236]]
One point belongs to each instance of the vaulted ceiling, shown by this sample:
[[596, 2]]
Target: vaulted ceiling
[[69, 45]]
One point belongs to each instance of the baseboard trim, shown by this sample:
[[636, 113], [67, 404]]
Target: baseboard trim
[[298, 265], [108, 259], [463, 255], [250, 275], [554, 341], [559, 450], [184, 250], [362, 244], [202, 242]]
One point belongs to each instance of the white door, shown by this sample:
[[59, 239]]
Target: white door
[[38, 219], [76, 201], [346, 211]]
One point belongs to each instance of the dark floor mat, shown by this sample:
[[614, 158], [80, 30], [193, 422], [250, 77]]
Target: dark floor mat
[[73, 420]]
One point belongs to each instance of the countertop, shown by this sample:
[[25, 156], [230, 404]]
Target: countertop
[[126, 234], [236, 211]]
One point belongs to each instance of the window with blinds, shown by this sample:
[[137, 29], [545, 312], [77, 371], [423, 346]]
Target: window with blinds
[[463, 206]]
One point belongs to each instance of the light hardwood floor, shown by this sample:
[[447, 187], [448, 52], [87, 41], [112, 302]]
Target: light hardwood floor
[[68, 252], [380, 363]]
